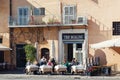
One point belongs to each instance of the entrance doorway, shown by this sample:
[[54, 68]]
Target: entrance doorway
[[73, 50], [45, 53], [20, 55]]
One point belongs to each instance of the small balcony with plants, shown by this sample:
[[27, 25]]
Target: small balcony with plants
[[38, 21], [33, 21]]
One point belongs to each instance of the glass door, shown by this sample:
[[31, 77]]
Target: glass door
[[77, 50]]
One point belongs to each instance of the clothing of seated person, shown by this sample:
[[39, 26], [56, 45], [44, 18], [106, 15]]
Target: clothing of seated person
[[54, 63], [28, 63], [66, 63], [49, 63], [74, 62], [43, 61]]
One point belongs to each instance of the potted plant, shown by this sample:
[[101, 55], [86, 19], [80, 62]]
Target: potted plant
[[53, 21], [30, 53], [73, 21]]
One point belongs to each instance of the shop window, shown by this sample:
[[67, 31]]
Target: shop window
[[39, 11], [78, 46], [116, 28]]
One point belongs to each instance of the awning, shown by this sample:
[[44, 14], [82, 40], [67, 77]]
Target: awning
[[4, 48], [108, 43]]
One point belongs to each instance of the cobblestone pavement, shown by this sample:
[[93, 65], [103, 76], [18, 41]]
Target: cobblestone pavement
[[54, 77], [19, 75]]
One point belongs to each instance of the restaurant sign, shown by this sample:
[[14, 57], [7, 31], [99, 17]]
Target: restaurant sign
[[73, 36]]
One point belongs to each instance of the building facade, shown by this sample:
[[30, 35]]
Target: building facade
[[5, 56], [64, 29]]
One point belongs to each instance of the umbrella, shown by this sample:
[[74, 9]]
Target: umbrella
[[107, 43]]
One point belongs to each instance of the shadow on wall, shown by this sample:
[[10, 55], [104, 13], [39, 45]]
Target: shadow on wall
[[90, 55], [116, 49], [101, 54], [98, 31], [95, 1]]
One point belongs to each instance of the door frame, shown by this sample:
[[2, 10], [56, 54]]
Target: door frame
[[61, 44]]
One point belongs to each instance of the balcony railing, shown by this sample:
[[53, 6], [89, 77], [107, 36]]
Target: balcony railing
[[37, 21]]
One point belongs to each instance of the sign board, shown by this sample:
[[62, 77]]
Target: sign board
[[73, 36]]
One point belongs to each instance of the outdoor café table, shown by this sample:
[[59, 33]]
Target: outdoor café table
[[97, 70], [45, 68], [31, 68], [60, 68], [106, 70], [77, 69]]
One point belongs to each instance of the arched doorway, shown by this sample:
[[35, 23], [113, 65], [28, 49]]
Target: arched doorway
[[45, 53]]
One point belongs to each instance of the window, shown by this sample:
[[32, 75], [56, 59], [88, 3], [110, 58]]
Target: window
[[1, 56], [0, 40], [116, 28], [69, 14], [39, 11], [23, 16], [78, 46]]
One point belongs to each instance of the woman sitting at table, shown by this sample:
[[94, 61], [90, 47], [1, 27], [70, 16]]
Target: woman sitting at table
[[67, 64], [74, 62]]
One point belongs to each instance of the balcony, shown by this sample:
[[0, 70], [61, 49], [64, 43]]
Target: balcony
[[38, 22]]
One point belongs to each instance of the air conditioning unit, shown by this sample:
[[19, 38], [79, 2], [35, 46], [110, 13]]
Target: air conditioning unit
[[82, 20]]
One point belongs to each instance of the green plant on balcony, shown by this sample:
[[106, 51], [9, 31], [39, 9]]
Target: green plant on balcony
[[42, 23], [53, 21], [30, 52], [73, 21]]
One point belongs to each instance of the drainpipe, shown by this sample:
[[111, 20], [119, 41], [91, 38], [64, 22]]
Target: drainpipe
[[10, 8], [10, 33]]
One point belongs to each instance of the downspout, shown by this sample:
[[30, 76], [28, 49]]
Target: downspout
[[10, 8], [11, 34]]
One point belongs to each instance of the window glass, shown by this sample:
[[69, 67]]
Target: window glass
[[36, 11], [78, 46], [116, 28], [0, 40], [20, 11], [42, 11], [71, 10], [1, 56], [39, 11]]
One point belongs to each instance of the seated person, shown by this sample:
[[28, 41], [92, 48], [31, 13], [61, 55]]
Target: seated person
[[43, 61], [74, 62], [49, 63], [66, 63]]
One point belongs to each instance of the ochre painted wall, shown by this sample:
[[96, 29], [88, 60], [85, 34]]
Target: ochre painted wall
[[4, 29], [100, 14]]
